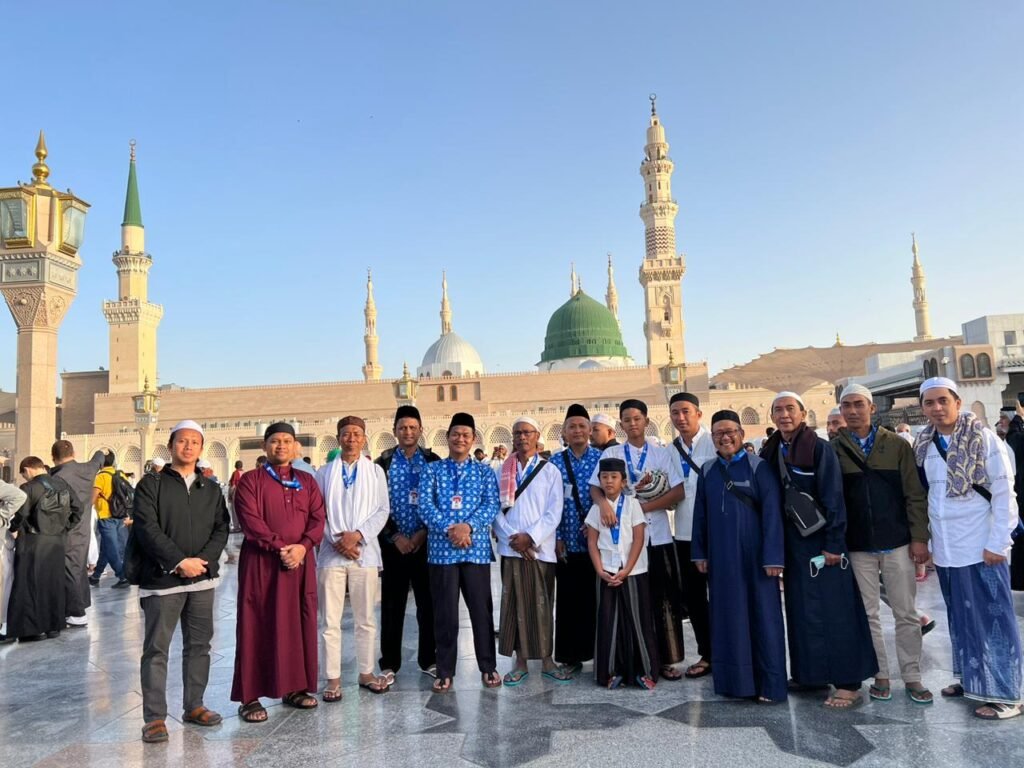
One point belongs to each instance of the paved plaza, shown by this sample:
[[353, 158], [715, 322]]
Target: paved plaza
[[75, 701]]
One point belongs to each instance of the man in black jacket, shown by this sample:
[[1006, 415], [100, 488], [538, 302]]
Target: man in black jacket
[[181, 527], [403, 548]]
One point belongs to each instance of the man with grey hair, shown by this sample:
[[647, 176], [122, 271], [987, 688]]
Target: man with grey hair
[[886, 533], [835, 422]]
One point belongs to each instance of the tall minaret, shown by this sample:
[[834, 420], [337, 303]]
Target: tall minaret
[[446, 308], [372, 369], [611, 297], [133, 319], [662, 269], [574, 280], [921, 317]]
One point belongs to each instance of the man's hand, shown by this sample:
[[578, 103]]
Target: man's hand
[[521, 543], [191, 567], [127, 522], [292, 556], [403, 544], [460, 535], [619, 578], [418, 539], [991, 558], [560, 550], [701, 565], [773, 571], [608, 518], [919, 552], [347, 544], [831, 559], [605, 577]]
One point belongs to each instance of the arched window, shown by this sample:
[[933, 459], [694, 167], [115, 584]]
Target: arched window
[[749, 416], [499, 435], [967, 370], [984, 366], [440, 394], [454, 393], [327, 444], [381, 442], [933, 368]]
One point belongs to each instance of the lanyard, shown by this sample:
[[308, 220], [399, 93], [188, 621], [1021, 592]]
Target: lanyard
[[618, 519], [295, 485], [639, 465], [455, 471], [682, 461], [346, 478], [526, 470], [868, 442], [414, 468]]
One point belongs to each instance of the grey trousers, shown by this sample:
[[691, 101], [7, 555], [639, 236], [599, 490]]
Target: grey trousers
[[195, 611]]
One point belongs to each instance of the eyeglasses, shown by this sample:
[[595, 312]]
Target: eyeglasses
[[525, 432], [725, 433]]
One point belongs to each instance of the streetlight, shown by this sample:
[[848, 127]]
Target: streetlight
[[147, 408]]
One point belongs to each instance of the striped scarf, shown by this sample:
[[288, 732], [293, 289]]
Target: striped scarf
[[965, 458]]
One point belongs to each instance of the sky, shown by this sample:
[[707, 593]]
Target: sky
[[285, 148]]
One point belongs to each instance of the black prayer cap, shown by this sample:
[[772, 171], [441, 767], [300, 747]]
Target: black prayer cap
[[407, 412], [725, 416], [462, 420], [576, 410], [684, 397], [612, 465], [640, 405], [277, 427]]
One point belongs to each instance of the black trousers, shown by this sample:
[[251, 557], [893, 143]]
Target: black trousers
[[695, 595], [575, 609], [474, 582], [399, 573]]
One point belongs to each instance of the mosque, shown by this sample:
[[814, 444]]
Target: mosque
[[583, 359]]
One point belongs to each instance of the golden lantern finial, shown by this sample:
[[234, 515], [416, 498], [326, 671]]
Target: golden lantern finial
[[131, 150], [41, 171], [653, 97]]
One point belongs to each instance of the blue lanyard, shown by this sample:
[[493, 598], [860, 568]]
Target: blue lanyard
[[414, 468], [295, 485], [618, 519], [868, 442], [346, 478], [526, 470], [945, 442], [454, 471], [683, 462], [639, 465]]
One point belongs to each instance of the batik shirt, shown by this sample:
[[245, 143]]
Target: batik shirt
[[453, 493], [404, 477], [570, 529]]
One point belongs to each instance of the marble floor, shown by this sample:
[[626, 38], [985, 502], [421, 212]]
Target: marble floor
[[74, 701]]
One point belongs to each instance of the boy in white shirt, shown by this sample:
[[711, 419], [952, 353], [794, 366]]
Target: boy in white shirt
[[626, 649]]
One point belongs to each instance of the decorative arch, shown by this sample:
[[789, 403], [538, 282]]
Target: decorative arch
[[453, 393], [439, 440], [217, 454], [984, 366], [812, 419], [381, 442], [932, 369], [162, 451], [551, 436], [620, 433], [967, 367], [131, 460], [324, 446], [668, 432], [440, 393], [749, 416], [498, 435], [653, 430]]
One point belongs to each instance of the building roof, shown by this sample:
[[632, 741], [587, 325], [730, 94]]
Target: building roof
[[132, 206], [453, 353], [582, 327]]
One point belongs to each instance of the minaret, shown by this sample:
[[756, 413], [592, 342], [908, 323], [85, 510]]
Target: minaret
[[133, 319], [921, 317], [662, 270], [574, 280], [372, 369], [446, 308], [611, 297]]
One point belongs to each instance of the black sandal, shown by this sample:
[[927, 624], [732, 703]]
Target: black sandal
[[251, 712], [441, 685], [299, 700]]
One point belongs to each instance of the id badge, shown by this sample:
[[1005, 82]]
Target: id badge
[[414, 497], [456, 502], [567, 488]]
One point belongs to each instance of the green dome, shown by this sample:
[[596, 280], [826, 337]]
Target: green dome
[[582, 327]]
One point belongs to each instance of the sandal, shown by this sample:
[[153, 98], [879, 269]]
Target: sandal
[[299, 700], [998, 711], [614, 682], [700, 669], [442, 685], [376, 686], [389, 676], [881, 692], [491, 679], [920, 695], [154, 732], [952, 691], [515, 677], [253, 712], [558, 674], [572, 669], [202, 716], [331, 695], [764, 700], [647, 682], [671, 673], [844, 702], [430, 671]]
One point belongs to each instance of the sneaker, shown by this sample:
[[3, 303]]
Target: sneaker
[[6, 639], [121, 584], [94, 582]]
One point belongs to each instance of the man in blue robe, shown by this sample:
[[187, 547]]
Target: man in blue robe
[[738, 542], [828, 633]]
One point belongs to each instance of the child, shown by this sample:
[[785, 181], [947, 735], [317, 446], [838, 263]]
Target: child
[[626, 650]]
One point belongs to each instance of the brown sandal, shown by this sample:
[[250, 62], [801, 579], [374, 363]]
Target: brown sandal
[[491, 679], [700, 669], [202, 716], [253, 712], [299, 700], [154, 732]]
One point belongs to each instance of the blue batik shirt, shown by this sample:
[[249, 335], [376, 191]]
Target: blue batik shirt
[[404, 478], [475, 486], [570, 528]]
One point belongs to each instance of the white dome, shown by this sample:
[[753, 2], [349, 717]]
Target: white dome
[[451, 355]]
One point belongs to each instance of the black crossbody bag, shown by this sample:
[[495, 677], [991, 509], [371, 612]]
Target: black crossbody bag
[[687, 458], [730, 486], [526, 481], [801, 508]]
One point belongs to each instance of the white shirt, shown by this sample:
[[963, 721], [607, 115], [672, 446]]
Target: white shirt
[[659, 526], [363, 507], [702, 451], [963, 527], [536, 512], [613, 556]]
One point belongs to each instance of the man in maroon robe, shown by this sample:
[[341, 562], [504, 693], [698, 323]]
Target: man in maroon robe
[[281, 513]]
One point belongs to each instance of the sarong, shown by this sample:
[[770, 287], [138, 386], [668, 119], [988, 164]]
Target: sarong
[[527, 602], [626, 644], [667, 601]]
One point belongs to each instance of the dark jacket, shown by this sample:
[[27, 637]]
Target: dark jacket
[[81, 476], [173, 523], [384, 462], [56, 522], [887, 507]]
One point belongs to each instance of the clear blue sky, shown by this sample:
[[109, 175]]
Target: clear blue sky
[[283, 148]]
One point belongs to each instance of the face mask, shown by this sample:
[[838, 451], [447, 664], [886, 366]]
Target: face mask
[[817, 563]]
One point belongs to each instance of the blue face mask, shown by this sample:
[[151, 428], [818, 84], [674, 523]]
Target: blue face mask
[[817, 563]]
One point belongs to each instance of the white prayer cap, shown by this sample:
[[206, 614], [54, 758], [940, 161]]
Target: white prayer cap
[[156, 461], [601, 418], [526, 420], [203, 464], [858, 390], [787, 393], [936, 382], [188, 424], [837, 411]]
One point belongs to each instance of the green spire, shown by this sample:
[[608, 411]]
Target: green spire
[[132, 208]]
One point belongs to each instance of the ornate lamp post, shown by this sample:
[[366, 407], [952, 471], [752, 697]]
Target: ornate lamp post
[[147, 409]]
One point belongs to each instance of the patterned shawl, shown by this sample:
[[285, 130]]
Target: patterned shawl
[[965, 459]]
